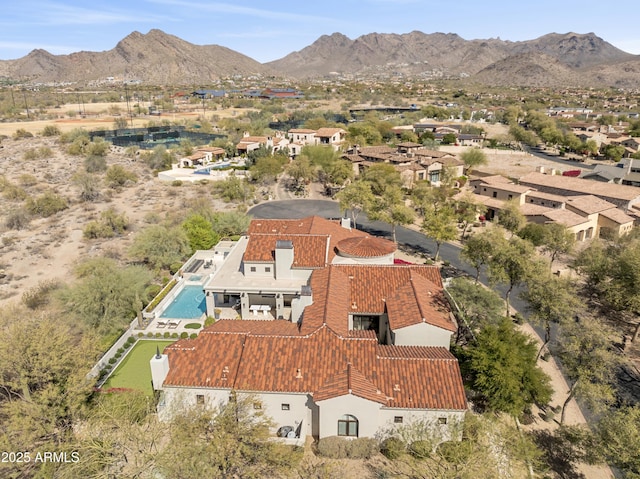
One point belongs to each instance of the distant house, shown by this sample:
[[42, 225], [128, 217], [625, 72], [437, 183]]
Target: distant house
[[585, 215], [414, 161], [250, 143]]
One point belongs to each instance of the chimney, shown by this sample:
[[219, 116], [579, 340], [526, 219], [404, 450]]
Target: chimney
[[159, 369], [345, 223], [284, 259], [298, 304]]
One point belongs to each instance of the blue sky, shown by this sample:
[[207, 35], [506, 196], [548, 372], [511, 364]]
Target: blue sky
[[267, 31]]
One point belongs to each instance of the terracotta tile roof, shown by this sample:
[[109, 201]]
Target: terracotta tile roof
[[255, 327], [309, 251], [317, 363], [432, 153], [365, 246], [419, 301], [371, 285], [350, 381], [312, 225], [581, 186], [302, 130], [330, 302]]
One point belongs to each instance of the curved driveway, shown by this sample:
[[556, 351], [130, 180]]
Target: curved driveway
[[292, 209]]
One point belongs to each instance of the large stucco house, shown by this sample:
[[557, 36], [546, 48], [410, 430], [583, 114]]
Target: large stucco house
[[330, 336]]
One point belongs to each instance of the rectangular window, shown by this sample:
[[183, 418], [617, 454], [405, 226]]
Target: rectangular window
[[398, 419], [285, 406], [199, 398], [510, 196], [495, 194], [257, 405], [267, 269], [252, 269], [442, 420]]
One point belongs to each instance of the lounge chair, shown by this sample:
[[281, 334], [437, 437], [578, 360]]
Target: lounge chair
[[161, 324]]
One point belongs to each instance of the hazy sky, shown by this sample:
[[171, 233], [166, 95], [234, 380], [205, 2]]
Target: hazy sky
[[270, 30]]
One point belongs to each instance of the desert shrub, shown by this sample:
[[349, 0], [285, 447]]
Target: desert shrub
[[126, 345], [118, 355], [77, 146], [21, 133], [13, 192], [95, 229], [193, 335], [174, 335], [121, 350], [167, 334], [30, 154], [51, 130], [158, 335], [333, 447], [209, 321], [109, 225], [117, 176], [420, 449], [176, 183], [38, 296], [112, 360], [184, 335], [46, 204], [27, 180], [17, 220], [108, 367], [362, 448], [97, 147], [393, 448], [131, 340], [73, 135], [149, 334], [44, 152], [95, 164]]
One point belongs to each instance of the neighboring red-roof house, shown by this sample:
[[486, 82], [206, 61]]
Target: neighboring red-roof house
[[363, 343]]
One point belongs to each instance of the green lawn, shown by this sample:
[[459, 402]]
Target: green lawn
[[134, 372]]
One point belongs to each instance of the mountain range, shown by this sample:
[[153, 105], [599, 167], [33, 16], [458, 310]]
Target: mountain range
[[552, 60]]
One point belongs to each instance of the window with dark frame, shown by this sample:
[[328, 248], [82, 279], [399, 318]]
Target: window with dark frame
[[398, 419], [442, 420], [348, 426], [267, 269], [285, 406], [252, 269], [257, 405], [200, 399]]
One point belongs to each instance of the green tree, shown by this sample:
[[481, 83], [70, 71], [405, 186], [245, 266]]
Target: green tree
[[590, 364], [234, 189], [266, 169], [199, 232], [160, 246], [617, 439], [230, 223], [473, 158], [104, 294], [468, 211], [479, 307], [356, 197], [557, 240], [158, 159], [510, 217], [613, 152], [449, 139], [43, 389], [301, 171], [440, 226], [234, 442], [550, 299], [479, 249], [500, 365], [511, 264]]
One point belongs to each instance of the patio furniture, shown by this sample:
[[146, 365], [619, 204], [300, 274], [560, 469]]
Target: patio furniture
[[265, 308], [174, 324], [161, 324], [255, 308]]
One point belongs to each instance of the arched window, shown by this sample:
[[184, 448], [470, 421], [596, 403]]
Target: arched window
[[348, 426]]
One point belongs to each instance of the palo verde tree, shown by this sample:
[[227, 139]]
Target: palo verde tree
[[472, 158], [356, 197], [584, 347], [510, 264], [550, 299], [479, 249], [440, 226]]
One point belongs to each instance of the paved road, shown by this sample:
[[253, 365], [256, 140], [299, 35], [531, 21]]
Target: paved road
[[291, 209]]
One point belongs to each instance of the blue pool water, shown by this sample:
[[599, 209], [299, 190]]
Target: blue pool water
[[189, 304]]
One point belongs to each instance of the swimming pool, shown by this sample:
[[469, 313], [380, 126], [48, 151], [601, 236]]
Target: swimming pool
[[189, 304]]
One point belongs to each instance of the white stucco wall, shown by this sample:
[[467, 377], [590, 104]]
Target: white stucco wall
[[444, 432], [332, 410], [422, 334]]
